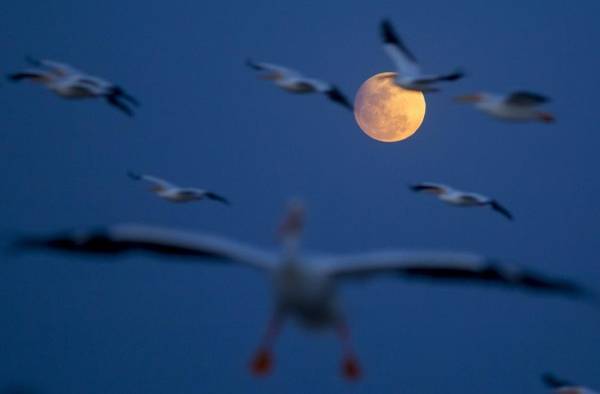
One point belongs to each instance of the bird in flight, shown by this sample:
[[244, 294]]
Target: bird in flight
[[304, 284], [460, 198], [560, 386], [69, 82], [518, 106], [173, 193], [408, 72], [294, 82]]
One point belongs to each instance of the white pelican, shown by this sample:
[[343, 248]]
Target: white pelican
[[173, 193], [293, 81], [408, 72], [516, 106], [304, 285], [560, 386], [68, 82], [460, 198]]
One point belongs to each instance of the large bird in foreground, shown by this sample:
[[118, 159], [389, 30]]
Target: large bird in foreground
[[408, 72], [69, 82], [173, 193], [460, 198], [294, 82], [518, 106], [560, 386], [305, 285]]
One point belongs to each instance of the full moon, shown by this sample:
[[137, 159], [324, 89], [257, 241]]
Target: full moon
[[385, 111]]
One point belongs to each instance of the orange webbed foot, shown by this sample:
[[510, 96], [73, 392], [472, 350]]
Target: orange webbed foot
[[262, 363], [351, 368]]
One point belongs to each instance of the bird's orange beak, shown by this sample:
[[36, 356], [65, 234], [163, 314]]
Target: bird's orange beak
[[272, 76], [468, 98], [546, 117], [293, 221]]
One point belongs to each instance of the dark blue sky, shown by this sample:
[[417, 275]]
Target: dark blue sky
[[140, 325]]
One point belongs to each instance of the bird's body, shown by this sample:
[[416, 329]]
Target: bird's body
[[460, 198], [294, 82], [302, 292], [517, 107], [304, 287], [408, 73], [173, 193], [71, 83]]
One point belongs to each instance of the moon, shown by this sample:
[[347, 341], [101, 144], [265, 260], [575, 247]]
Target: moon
[[385, 111]]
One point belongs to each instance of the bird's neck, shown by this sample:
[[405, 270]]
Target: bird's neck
[[291, 249]]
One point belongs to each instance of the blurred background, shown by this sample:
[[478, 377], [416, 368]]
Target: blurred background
[[73, 325]]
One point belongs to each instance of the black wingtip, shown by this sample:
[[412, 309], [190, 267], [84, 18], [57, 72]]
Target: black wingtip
[[336, 95], [250, 63], [134, 175], [457, 74], [387, 32], [219, 198], [19, 76], [113, 100], [496, 206], [551, 381]]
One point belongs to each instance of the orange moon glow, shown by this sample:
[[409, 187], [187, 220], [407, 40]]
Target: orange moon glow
[[385, 111]]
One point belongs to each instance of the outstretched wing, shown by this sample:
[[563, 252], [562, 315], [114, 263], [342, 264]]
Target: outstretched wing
[[526, 98], [57, 68], [441, 266], [121, 239], [158, 182], [274, 69], [404, 60]]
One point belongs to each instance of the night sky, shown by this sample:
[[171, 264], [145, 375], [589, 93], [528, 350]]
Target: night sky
[[140, 324]]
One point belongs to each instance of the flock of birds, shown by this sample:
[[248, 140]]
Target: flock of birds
[[305, 283]]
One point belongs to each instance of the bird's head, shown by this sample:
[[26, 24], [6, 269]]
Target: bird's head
[[471, 98], [546, 117], [290, 228]]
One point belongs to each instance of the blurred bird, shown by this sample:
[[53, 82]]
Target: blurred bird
[[68, 82], [305, 285], [517, 106], [560, 386], [294, 82], [460, 198], [174, 193], [408, 72]]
